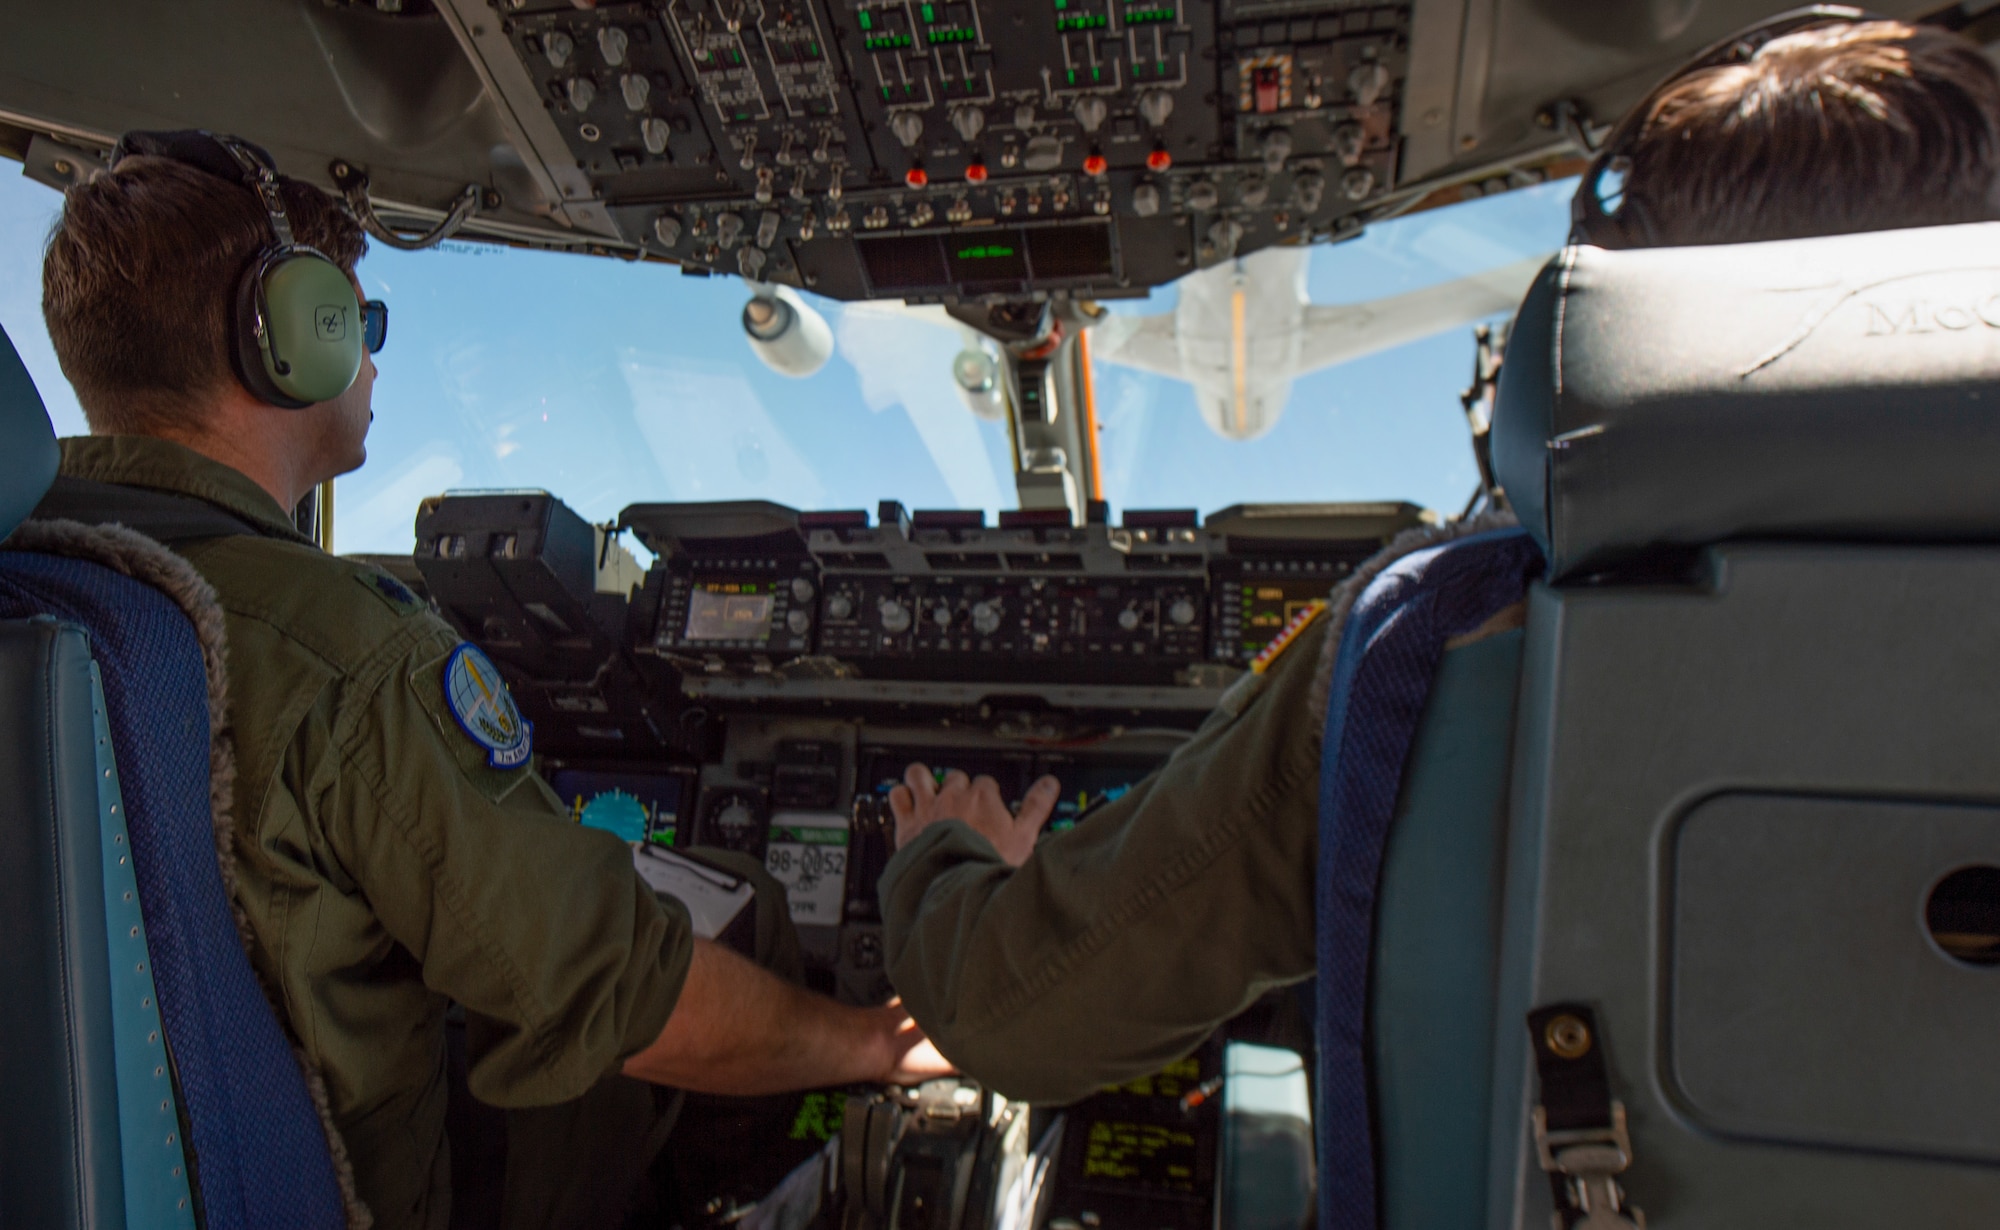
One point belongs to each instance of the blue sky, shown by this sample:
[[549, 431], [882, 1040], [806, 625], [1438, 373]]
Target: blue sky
[[610, 383]]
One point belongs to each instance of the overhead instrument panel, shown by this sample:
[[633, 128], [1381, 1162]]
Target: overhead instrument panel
[[959, 149]]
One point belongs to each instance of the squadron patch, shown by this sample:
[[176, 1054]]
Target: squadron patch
[[478, 698]]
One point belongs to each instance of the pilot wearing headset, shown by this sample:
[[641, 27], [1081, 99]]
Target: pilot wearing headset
[[1100, 954], [395, 850]]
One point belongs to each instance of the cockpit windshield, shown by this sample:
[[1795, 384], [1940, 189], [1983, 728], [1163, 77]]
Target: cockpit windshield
[[609, 383]]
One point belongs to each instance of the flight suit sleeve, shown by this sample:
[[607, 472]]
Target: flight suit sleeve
[[1125, 941], [539, 927]]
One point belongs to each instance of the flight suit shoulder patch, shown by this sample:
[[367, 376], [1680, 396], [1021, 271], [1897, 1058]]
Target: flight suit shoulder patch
[[478, 700], [483, 728], [397, 596]]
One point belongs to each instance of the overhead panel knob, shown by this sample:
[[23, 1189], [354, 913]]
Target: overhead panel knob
[[1155, 106], [968, 122], [1310, 188], [908, 127], [985, 618], [1181, 612], [1368, 81], [839, 606], [802, 590], [654, 131], [894, 615], [613, 41], [1090, 111], [941, 616], [1128, 619], [1043, 153], [636, 89], [798, 622], [1348, 142], [1276, 147], [558, 47], [582, 91], [1145, 200]]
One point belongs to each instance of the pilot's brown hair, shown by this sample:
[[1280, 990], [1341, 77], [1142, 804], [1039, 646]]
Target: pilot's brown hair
[[139, 281], [1838, 128]]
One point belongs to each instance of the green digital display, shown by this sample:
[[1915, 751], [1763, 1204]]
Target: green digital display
[[986, 252]]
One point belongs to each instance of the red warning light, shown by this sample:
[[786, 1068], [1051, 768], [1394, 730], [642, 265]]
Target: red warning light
[[975, 173], [1095, 165], [1159, 160], [915, 177]]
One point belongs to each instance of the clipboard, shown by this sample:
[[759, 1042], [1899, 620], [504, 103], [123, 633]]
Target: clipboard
[[714, 898]]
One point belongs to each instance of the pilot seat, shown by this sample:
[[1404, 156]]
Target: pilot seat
[[145, 1079], [1682, 896]]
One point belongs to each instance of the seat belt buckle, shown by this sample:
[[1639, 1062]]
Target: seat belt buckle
[[1588, 1161]]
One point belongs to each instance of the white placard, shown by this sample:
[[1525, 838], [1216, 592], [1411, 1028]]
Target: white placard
[[808, 855], [713, 898]]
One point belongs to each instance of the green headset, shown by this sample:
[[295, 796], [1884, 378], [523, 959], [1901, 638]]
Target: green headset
[[297, 331]]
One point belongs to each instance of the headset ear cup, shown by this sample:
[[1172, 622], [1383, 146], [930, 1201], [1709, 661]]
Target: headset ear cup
[[313, 341], [246, 355]]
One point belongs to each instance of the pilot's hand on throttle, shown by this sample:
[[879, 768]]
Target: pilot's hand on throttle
[[922, 801]]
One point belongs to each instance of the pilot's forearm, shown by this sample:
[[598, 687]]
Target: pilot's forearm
[[1121, 944], [739, 1029]]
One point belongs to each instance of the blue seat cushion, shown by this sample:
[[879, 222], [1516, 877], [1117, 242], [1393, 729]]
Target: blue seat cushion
[[260, 1152], [1391, 645]]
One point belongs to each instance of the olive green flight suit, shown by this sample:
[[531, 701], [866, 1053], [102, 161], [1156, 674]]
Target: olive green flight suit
[[386, 867], [1125, 941]]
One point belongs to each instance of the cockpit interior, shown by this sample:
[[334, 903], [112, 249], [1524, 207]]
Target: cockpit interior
[[735, 602]]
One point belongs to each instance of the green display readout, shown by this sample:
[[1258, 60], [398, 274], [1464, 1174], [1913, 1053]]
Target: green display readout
[[887, 42], [986, 252], [867, 19], [930, 12], [950, 36], [1145, 17], [1083, 21]]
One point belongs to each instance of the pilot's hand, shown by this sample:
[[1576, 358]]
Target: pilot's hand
[[916, 1059], [922, 801]]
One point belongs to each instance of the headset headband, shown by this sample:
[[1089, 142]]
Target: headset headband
[[1587, 206]]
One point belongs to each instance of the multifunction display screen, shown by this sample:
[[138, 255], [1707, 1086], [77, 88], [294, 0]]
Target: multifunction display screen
[[636, 807], [730, 611]]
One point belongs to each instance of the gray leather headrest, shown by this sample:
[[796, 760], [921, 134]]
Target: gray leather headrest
[[1836, 389], [28, 453]]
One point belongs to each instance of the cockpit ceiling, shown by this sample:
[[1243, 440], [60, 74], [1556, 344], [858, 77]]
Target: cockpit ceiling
[[947, 150]]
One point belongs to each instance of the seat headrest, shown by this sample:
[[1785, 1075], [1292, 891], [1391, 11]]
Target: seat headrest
[[28, 453], [1836, 389]]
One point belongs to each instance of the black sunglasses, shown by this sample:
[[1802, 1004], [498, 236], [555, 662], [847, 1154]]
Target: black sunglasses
[[374, 324]]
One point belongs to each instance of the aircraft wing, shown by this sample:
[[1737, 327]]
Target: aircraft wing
[[1146, 342], [1333, 335]]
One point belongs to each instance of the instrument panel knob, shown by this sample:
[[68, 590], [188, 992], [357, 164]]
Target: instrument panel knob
[[802, 590], [985, 618], [798, 621], [941, 616], [1128, 619], [839, 606], [894, 615], [1181, 612]]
